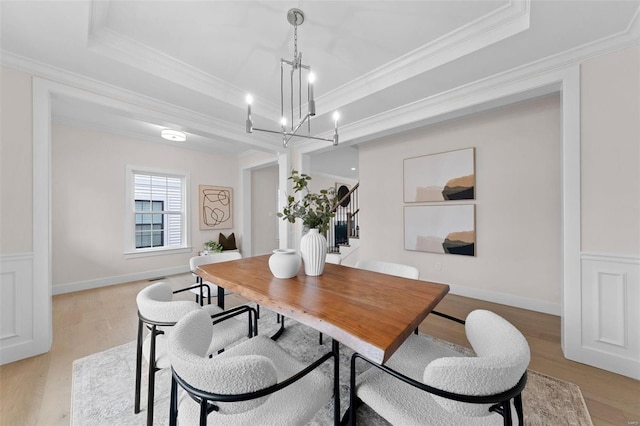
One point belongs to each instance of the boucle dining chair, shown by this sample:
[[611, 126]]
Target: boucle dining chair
[[428, 382], [253, 383], [399, 270], [389, 268], [202, 288], [158, 312]]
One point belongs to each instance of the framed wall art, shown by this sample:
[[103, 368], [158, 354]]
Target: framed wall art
[[216, 208], [447, 229], [440, 177]]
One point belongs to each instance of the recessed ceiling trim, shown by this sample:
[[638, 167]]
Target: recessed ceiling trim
[[142, 107], [498, 25], [491, 28], [107, 42], [491, 92]]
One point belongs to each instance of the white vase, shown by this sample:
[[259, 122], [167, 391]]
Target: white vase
[[313, 247], [284, 263]]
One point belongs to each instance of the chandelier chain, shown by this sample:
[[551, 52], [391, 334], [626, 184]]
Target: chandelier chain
[[295, 45]]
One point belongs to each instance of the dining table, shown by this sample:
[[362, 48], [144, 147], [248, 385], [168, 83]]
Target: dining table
[[370, 312]]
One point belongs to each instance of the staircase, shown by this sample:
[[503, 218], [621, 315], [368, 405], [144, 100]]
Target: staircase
[[344, 229]]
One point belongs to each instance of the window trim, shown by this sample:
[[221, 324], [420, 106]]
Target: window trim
[[130, 250]]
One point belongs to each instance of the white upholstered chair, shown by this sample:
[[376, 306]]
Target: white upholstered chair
[[399, 270], [159, 312], [426, 382], [253, 382], [389, 268], [202, 288]]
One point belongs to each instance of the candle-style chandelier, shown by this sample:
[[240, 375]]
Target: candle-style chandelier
[[295, 18]]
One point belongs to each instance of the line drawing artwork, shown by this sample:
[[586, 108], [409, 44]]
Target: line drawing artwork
[[215, 207]]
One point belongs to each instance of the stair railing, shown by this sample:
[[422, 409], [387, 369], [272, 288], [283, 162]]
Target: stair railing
[[345, 223]]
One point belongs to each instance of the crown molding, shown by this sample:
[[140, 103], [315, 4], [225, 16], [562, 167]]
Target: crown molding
[[493, 27], [419, 113], [471, 98], [114, 130], [143, 107], [114, 45]]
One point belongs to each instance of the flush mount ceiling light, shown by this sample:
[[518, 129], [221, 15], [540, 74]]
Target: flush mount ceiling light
[[173, 135], [295, 69]]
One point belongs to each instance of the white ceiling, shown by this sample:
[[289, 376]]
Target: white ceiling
[[189, 64]]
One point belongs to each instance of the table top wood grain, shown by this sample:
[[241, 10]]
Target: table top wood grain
[[369, 312]]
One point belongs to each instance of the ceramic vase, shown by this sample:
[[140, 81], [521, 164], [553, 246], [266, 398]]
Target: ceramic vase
[[313, 247], [284, 263]]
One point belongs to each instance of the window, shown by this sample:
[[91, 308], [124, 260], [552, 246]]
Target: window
[[149, 227], [157, 219]]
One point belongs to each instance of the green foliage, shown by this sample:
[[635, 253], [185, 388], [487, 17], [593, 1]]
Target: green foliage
[[315, 210], [213, 246]]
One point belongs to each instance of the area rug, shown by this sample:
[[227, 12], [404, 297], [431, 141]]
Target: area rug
[[103, 386]]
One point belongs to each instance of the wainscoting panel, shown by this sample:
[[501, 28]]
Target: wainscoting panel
[[16, 307], [610, 312]]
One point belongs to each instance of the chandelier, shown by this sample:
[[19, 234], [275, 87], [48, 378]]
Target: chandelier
[[295, 68]]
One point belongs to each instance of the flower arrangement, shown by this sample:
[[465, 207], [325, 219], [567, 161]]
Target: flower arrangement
[[315, 210], [213, 246]]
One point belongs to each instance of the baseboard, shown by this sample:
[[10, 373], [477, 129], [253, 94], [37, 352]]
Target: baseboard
[[507, 299], [121, 279]]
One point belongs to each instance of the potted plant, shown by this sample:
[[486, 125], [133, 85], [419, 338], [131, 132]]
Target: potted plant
[[315, 210], [213, 246]]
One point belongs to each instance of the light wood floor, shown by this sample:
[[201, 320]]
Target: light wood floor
[[37, 391]]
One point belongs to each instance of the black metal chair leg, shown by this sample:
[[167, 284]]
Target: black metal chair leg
[[200, 298], [203, 412], [152, 377], [517, 402], [353, 406], [173, 404], [136, 408], [220, 297], [335, 347], [255, 324], [319, 338], [506, 413], [280, 330]]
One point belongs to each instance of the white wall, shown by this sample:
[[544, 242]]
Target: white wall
[[16, 171], [88, 204], [320, 181], [610, 160], [264, 206], [518, 216], [609, 332]]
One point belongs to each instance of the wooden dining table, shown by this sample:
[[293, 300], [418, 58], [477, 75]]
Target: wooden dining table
[[370, 312]]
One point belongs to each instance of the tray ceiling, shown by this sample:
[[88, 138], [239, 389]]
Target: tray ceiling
[[189, 64]]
